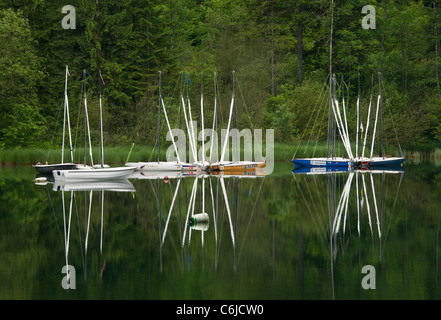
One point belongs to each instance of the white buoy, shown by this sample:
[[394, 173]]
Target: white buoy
[[199, 221], [41, 181]]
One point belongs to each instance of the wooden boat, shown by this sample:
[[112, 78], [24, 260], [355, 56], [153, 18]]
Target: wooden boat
[[238, 166]]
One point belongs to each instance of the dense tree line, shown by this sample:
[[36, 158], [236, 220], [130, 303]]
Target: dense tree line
[[280, 52]]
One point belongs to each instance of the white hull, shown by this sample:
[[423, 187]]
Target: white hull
[[119, 185], [164, 166], [162, 175], [155, 166], [94, 173]]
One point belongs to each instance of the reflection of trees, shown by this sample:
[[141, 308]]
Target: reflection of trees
[[285, 250]]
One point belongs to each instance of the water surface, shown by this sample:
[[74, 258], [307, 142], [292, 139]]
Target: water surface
[[280, 237]]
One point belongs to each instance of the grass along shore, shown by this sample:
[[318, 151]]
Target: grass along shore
[[122, 154]]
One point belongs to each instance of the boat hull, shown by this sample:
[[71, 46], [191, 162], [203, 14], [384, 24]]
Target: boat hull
[[154, 166], [380, 162], [48, 168], [237, 166], [322, 162], [93, 174]]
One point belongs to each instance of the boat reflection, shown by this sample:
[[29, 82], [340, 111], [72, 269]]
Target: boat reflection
[[80, 197], [359, 193], [201, 204]]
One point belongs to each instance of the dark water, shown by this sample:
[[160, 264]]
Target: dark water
[[281, 237]]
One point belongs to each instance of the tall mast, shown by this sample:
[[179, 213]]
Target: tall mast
[[376, 120], [192, 134], [358, 118], [87, 119], [202, 120], [228, 126], [331, 128], [214, 118], [159, 117], [66, 114], [101, 120]]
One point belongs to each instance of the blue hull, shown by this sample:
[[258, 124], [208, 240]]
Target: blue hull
[[318, 170], [327, 163]]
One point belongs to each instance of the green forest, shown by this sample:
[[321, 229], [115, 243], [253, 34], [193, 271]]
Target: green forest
[[280, 52]]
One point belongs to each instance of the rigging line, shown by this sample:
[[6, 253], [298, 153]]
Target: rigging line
[[249, 223], [393, 210], [304, 131], [391, 116], [313, 126], [306, 203], [315, 121], [319, 130], [243, 99], [53, 135]]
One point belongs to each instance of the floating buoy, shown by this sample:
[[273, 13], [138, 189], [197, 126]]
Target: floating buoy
[[41, 180], [199, 221]]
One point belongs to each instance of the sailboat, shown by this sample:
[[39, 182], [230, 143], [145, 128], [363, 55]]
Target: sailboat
[[162, 165], [223, 165], [335, 119], [93, 172], [48, 168], [382, 160]]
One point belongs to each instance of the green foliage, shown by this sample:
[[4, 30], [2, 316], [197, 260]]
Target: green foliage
[[20, 74], [130, 42]]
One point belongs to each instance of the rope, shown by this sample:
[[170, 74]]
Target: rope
[[393, 123], [304, 131], [53, 135]]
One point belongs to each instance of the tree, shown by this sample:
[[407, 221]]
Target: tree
[[21, 125]]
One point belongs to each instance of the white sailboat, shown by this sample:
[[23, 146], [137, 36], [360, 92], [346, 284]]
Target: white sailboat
[[382, 160], [48, 168], [93, 172], [234, 165]]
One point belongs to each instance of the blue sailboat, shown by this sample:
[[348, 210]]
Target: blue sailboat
[[336, 120]]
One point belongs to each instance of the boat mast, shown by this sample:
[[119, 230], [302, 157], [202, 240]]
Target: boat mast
[[192, 148], [358, 118], [234, 152], [192, 134], [228, 126], [101, 121], [330, 118], [87, 121], [202, 120], [66, 114], [159, 118], [369, 113], [376, 120], [214, 119]]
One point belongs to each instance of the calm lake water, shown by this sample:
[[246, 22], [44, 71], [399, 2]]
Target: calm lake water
[[284, 236]]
